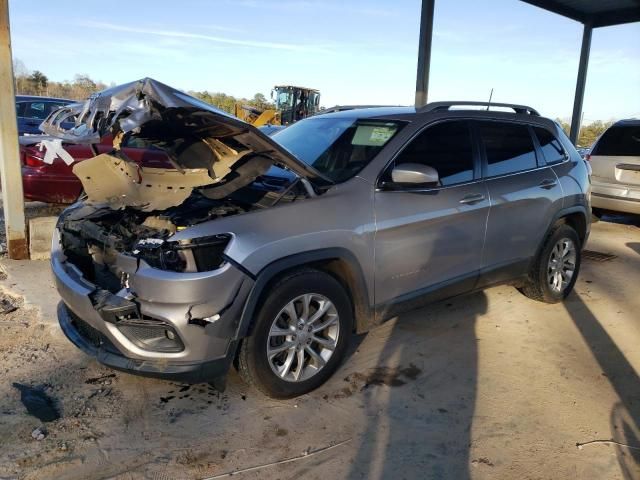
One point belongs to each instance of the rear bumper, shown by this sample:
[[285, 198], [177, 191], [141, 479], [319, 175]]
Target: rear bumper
[[615, 196], [617, 204], [41, 185]]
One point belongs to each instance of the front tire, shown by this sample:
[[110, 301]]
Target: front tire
[[555, 270], [300, 335]]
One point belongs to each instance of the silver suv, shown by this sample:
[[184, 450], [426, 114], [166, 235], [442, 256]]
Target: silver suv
[[269, 253], [615, 159]]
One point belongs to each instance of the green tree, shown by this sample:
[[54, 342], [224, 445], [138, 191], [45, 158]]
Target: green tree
[[260, 102], [588, 133], [39, 81]]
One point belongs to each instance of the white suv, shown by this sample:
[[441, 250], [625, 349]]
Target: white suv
[[615, 159]]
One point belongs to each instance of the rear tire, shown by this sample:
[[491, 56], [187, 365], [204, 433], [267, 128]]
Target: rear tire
[[300, 335], [555, 270]]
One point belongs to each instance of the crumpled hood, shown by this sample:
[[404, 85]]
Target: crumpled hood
[[194, 134]]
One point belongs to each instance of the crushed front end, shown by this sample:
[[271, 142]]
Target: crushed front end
[[132, 296], [143, 304]]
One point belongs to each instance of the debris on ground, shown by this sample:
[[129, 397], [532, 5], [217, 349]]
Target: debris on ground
[[38, 403], [7, 305], [101, 380], [39, 433]]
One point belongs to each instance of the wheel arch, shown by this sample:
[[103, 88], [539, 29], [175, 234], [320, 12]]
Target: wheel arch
[[576, 217], [337, 262]]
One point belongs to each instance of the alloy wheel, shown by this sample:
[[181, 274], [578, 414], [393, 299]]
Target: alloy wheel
[[303, 337], [562, 265]]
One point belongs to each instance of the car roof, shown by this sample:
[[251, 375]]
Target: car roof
[[368, 112], [627, 122], [22, 98]]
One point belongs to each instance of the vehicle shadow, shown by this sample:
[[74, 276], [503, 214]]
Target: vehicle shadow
[[420, 398], [625, 415], [621, 218], [635, 246]]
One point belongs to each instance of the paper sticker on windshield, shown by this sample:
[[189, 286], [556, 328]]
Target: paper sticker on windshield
[[373, 136]]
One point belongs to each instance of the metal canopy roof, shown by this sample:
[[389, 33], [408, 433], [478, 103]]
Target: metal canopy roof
[[596, 13]]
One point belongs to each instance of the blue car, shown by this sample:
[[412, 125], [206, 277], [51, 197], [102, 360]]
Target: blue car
[[32, 110]]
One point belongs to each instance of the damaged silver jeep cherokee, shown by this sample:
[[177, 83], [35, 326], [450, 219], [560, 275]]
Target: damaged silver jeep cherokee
[[268, 253]]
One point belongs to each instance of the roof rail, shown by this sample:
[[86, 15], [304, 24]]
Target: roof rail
[[342, 108], [438, 106]]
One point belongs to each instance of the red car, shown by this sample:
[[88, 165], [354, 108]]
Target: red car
[[56, 183]]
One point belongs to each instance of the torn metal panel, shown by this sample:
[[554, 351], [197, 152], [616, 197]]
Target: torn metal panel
[[111, 180], [171, 120], [53, 149]]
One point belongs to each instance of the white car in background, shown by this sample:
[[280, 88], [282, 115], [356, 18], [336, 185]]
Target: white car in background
[[615, 160]]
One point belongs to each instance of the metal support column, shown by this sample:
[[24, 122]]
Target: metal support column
[[576, 118], [424, 52], [10, 168]]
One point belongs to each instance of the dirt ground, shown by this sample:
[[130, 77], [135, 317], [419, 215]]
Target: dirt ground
[[487, 386]]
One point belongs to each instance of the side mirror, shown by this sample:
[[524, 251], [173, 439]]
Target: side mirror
[[414, 174]]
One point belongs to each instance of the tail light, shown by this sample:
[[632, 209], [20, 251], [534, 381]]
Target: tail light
[[587, 157], [32, 157]]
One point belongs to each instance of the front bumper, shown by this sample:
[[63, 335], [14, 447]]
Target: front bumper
[[172, 298], [94, 343]]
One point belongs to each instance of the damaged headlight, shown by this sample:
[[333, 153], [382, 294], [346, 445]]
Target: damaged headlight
[[201, 254]]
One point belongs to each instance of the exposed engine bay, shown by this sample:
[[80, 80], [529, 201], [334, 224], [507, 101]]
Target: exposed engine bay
[[93, 236]]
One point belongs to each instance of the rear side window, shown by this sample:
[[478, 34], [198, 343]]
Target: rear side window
[[36, 110], [446, 147], [552, 149], [508, 146], [39, 110], [620, 140]]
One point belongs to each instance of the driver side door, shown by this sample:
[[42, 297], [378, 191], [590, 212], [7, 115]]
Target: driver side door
[[429, 238]]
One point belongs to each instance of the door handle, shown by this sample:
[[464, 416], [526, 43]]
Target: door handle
[[548, 183], [471, 199]]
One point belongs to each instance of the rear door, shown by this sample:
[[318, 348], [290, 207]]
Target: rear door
[[615, 159], [524, 193], [430, 239]]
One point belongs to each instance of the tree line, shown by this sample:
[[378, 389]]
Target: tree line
[[588, 133], [35, 82]]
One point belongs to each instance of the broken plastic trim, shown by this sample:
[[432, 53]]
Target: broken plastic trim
[[146, 333]]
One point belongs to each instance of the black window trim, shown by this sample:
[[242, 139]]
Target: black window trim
[[483, 154], [477, 173], [536, 141]]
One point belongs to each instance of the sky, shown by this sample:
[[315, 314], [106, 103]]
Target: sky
[[353, 51]]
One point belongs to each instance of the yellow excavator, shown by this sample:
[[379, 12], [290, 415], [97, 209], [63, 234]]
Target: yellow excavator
[[292, 104]]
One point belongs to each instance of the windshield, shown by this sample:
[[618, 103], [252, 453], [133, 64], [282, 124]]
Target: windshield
[[337, 147]]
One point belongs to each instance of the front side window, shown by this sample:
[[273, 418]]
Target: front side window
[[447, 147], [552, 149], [337, 147], [508, 147]]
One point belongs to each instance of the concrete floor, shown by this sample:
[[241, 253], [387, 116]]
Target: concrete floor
[[487, 386]]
